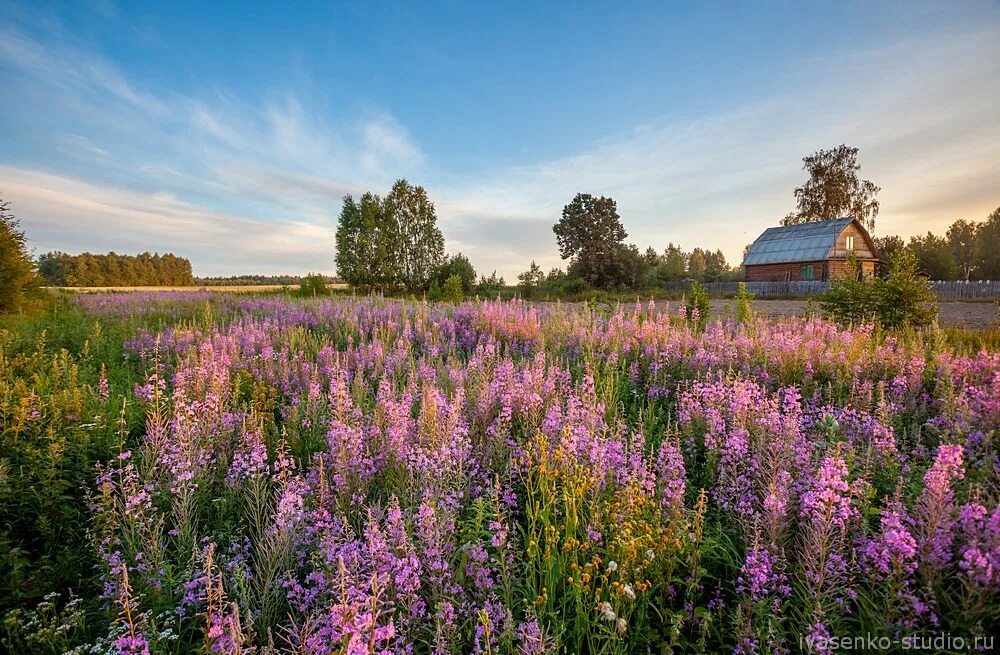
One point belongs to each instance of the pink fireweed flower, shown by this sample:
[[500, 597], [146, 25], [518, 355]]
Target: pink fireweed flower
[[758, 577], [829, 498], [894, 550], [979, 559], [670, 475], [937, 506], [249, 459]]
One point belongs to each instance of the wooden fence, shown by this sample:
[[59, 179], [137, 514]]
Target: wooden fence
[[984, 289], [946, 290]]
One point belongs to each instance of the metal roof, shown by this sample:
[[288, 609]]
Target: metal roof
[[805, 242]]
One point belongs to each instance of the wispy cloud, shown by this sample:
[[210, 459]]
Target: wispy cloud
[[923, 112], [243, 184], [68, 213]]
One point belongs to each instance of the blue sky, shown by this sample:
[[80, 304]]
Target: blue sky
[[229, 132]]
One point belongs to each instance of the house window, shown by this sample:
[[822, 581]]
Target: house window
[[806, 272], [850, 243]]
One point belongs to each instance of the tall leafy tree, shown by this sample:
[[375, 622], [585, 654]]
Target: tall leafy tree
[[834, 189], [934, 256], [530, 280], [591, 234], [673, 266], [17, 269], [381, 246], [962, 242], [886, 248], [420, 242], [715, 265], [988, 247], [697, 261], [351, 240]]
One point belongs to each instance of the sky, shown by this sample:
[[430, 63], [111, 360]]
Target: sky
[[230, 132]]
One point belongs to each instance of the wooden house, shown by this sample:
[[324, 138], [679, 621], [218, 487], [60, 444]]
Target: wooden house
[[810, 251]]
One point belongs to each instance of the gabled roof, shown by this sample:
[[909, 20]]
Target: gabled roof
[[805, 242]]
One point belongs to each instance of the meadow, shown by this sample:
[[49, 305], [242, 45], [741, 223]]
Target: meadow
[[202, 472]]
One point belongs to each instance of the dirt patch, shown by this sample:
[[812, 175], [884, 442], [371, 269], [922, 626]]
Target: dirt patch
[[969, 314]]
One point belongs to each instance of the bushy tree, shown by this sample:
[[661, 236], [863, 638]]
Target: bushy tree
[[591, 234], [716, 266], [988, 247], [459, 265], [420, 243], [389, 242], [673, 264], [490, 287], [530, 280], [834, 189], [905, 298], [351, 241], [886, 248], [452, 289], [901, 298], [961, 237], [935, 257], [697, 262], [313, 285], [17, 269]]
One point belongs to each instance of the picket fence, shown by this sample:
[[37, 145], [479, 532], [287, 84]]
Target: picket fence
[[949, 289]]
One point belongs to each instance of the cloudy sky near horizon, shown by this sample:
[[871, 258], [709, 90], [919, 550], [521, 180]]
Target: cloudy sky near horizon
[[230, 134]]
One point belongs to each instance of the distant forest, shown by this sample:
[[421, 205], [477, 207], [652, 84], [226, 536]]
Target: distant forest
[[59, 269], [256, 280]]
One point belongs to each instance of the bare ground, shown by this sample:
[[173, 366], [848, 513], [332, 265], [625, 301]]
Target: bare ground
[[968, 314]]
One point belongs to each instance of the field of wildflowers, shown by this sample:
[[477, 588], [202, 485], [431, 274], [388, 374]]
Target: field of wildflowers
[[265, 475]]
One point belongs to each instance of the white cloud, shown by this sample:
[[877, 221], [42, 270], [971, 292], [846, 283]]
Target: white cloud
[[67, 214], [923, 112], [242, 186]]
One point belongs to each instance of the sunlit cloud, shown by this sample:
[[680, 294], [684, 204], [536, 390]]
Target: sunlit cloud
[[255, 185]]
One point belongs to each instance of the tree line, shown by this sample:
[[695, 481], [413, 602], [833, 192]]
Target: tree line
[[968, 250], [256, 280], [59, 269]]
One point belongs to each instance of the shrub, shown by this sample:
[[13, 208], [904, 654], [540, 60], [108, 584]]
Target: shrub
[[434, 293], [900, 299], [452, 291], [490, 287], [697, 304], [744, 309], [905, 298], [575, 286], [460, 266], [312, 285]]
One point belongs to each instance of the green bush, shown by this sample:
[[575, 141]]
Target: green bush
[[460, 266], [744, 309], [900, 299], [434, 293], [313, 285], [698, 300], [452, 291], [490, 287]]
